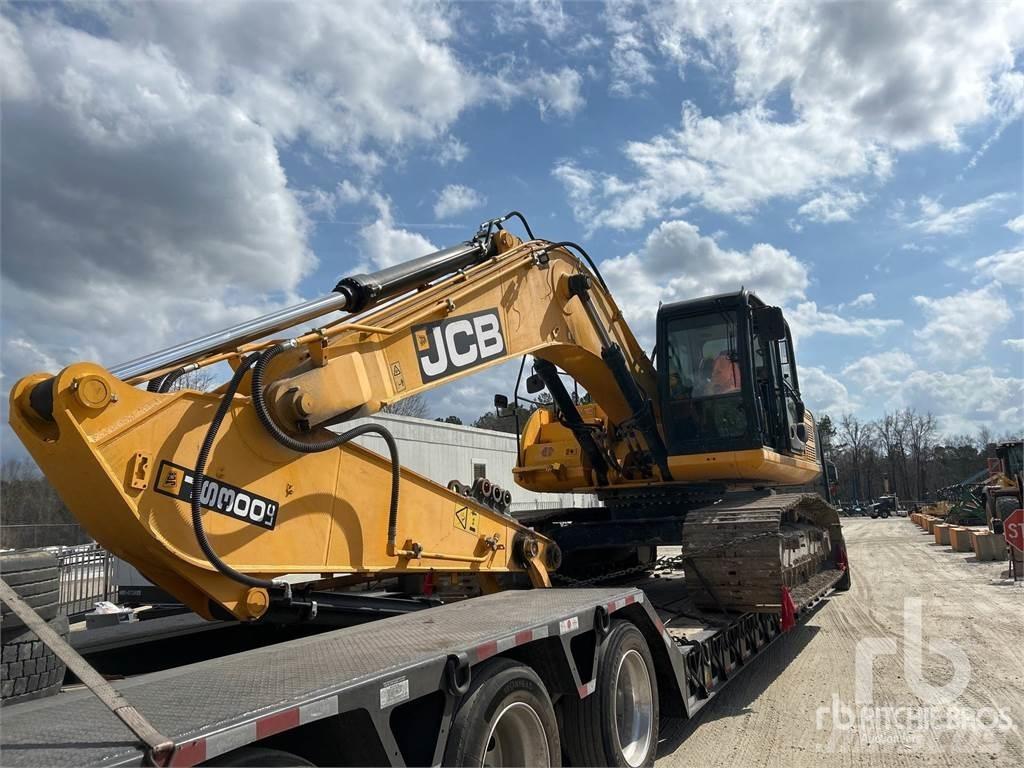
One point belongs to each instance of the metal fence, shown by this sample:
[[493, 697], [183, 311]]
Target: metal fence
[[86, 576]]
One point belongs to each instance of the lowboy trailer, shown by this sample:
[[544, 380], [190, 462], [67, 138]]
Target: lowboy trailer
[[580, 674]]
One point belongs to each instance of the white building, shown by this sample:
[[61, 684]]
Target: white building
[[444, 452]]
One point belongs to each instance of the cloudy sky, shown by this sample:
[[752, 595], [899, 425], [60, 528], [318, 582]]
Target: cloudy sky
[[173, 168]]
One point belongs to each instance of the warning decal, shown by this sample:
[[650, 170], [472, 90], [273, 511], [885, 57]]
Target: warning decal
[[466, 519]]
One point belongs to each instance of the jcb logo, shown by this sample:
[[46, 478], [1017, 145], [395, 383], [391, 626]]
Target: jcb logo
[[457, 343]]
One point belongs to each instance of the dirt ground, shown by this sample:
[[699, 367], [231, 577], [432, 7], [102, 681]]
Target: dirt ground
[[962, 704]]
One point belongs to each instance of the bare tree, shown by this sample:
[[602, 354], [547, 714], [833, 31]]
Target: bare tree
[[200, 380], [921, 431], [414, 406], [857, 436], [885, 428]]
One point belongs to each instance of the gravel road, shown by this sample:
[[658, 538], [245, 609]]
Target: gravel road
[[961, 704]]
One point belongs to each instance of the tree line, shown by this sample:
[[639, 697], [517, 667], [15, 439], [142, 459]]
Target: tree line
[[902, 452]]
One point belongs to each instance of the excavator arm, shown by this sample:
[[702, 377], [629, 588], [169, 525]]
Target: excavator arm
[[215, 496]]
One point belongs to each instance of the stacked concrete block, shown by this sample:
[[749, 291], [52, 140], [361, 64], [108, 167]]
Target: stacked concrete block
[[960, 539], [988, 545]]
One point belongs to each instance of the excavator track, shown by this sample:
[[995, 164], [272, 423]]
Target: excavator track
[[742, 553]]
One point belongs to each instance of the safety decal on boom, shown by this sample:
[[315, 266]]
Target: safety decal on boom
[[217, 496], [449, 346], [466, 519]]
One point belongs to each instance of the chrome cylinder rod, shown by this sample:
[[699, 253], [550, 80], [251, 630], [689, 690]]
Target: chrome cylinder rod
[[229, 338], [353, 294]]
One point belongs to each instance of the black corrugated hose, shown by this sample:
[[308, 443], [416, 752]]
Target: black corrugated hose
[[316, 446]]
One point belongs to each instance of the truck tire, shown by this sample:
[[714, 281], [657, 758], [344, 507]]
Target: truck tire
[[616, 725], [29, 669], [257, 757], [1004, 507], [505, 718], [33, 576]]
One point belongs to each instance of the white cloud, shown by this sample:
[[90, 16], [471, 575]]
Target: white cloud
[[677, 262], [720, 162], [1004, 266], [857, 83], [962, 401], [863, 300], [1015, 344], [934, 219], [548, 16], [831, 206], [631, 69], [918, 248], [557, 92], [824, 393], [336, 74], [806, 320], [958, 327], [455, 199], [137, 210], [452, 151], [1016, 225], [386, 244], [904, 74]]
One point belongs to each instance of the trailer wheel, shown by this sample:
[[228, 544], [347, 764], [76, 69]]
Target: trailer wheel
[[255, 757], [505, 719], [617, 725]]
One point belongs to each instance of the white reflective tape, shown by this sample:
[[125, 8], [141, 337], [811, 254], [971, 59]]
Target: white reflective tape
[[318, 710], [225, 741], [619, 604], [506, 643], [568, 625], [540, 632], [638, 597]]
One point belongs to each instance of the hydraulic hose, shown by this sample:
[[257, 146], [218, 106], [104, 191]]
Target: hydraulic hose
[[198, 477], [169, 379], [315, 445], [586, 256]]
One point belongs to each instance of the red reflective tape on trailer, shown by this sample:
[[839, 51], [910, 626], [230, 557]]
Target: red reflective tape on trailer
[[280, 721], [189, 753], [486, 650], [587, 688], [526, 636]]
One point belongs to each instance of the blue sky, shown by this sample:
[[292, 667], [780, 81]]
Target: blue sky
[[172, 168]]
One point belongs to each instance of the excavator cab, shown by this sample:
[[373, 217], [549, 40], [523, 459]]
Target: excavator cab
[[726, 378]]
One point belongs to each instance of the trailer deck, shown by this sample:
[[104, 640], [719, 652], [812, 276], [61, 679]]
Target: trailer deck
[[371, 671]]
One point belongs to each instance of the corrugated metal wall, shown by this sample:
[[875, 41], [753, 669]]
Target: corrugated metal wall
[[446, 452]]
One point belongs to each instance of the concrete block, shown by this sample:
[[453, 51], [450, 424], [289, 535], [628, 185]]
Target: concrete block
[[988, 545], [960, 539], [929, 524], [941, 531]]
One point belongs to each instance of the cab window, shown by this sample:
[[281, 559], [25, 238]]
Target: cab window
[[704, 378]]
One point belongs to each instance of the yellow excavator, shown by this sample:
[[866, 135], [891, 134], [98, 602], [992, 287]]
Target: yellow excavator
[[215, 496]]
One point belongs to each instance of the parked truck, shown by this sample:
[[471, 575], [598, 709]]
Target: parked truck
[[460, 635]]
